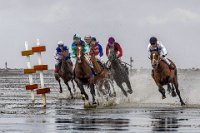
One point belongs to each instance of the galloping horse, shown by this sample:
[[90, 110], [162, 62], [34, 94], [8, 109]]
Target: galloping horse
[[102, 77], [83, 74], [66, 73], [163, 75], [119, 73]]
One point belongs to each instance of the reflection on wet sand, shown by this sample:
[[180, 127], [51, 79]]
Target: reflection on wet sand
[[165, 120], [90, 122], [93, 124]]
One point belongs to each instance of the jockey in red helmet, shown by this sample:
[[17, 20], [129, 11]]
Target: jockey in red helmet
[[115, 46]]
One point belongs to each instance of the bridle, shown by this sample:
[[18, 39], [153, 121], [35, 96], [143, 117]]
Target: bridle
[[155, 62], [79, 53]]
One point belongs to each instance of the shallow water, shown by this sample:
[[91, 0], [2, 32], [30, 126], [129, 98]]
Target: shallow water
[[144, 111]]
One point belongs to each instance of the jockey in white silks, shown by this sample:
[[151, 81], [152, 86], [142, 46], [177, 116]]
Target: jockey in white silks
[[155, 45]]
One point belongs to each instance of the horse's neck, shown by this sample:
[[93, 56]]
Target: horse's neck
[[161, 67], [115, 64], [97, 67], [85, 66], [65, 65]]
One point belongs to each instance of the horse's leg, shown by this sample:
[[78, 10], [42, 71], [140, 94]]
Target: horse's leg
[[169, 89], [69, 88], [92, 91], [112, 84], [57, 77], [80, 86], [73, 85], [100, 87], [107, 87], [162, 91], [122, 88], [130, 91], [160, 88], [173, 90], [178, 92], [60, 85]]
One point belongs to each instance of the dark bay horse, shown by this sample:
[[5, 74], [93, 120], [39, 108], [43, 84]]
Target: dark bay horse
[[163, 75], [66, 73], [119, 73], [83, 74]]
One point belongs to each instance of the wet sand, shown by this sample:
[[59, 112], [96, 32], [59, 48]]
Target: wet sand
[[141, 112]]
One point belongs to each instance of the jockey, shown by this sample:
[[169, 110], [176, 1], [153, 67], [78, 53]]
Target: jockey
[[113, 46], [88, 39], [77, 41], [58, 55], [155, 45], [97, 49], [86, 50], [94, 45]]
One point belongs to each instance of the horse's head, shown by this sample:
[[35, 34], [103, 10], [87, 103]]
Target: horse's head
[[112, 56], [79, 52], [65, 54], [155, 59]]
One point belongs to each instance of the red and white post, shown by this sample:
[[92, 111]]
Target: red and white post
[[40, 68]]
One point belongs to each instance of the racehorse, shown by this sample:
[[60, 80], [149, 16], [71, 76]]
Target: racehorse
[[102, 77], [119, 73], [163, 75], [66, 73], [83, 74]]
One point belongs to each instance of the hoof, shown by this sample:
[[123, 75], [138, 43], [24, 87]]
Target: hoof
[[60, 91], [130, 91], [163, 97], [94, 103], [114, 94], [182, 104], [173, 94], [83, 97], [125, 93]]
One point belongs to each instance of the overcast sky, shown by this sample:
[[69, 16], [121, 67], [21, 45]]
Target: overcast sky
[[132, 22]]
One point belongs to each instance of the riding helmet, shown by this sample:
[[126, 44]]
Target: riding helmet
[[77, 36], [153, 40], [94, 39], [111, 40]]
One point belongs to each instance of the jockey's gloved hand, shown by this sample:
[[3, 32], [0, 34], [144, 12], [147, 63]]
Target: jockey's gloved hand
[[117, 54]]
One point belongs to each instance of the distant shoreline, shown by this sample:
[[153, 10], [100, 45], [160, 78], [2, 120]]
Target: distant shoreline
[[140, 69]]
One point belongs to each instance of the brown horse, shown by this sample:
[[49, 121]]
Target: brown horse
[[163, 75], [83, 74], [66, 73], [102, 77]]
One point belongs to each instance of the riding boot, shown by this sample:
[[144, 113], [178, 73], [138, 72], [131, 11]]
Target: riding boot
[[171, 66]]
